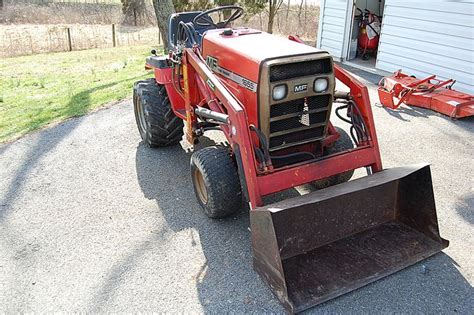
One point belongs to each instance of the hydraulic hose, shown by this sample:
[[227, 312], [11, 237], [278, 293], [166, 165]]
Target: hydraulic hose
[[186, 33], [263, 143], [259, 154], [358, 130]]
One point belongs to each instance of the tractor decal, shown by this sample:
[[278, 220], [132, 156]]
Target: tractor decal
[[211, 85], [300, 88], [213, 64], [304, 117]]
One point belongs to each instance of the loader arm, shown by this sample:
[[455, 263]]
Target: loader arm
[[237, 130], [367, 154]]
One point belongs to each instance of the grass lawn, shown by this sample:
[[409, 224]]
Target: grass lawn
[[40, 89]]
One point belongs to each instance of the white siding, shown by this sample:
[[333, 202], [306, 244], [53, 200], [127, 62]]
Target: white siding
[[332, 26], [429, 37]]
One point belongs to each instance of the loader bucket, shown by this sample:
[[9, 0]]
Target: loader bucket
[[316, 247]]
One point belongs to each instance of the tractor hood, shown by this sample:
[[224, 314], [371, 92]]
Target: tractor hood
[[243, 50], [251, 63]]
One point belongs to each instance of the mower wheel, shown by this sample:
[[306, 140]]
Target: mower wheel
[[342, 144], [156, 121], [216, 182]]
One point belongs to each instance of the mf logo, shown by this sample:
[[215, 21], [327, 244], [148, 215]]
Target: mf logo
[[211, 62], [300, 88]]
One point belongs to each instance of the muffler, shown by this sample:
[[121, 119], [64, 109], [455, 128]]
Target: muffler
[[316, 247]]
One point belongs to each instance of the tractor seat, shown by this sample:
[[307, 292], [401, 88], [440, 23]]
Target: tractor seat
[[185, 17]]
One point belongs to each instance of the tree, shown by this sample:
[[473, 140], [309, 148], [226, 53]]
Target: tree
[[191, 5], [135, 9], [300, 9], [253, 7], [163, 9], [273, 7], [256, 6]]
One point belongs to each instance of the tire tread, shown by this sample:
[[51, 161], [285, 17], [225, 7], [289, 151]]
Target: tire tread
[[164, 128], [222, 181]]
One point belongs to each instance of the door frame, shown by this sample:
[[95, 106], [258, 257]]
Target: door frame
[[350, 11], [347, 27]]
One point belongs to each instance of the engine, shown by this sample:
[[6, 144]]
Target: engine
[[286, 88]]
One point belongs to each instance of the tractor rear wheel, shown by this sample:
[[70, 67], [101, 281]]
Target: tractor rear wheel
[[156, 121], [342, 144], [216, 182]]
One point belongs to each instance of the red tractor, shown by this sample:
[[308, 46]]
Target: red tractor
[[272, 98]]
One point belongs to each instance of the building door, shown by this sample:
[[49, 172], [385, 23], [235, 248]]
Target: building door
[[335, 20]]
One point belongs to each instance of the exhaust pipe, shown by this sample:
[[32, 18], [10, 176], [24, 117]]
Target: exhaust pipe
[[316, 247], [209, 114]]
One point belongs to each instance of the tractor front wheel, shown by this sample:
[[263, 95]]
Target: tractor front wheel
[[344, 143], [156, 121], [216, 182]]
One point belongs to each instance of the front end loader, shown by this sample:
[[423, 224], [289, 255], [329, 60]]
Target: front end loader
[[272, 98]]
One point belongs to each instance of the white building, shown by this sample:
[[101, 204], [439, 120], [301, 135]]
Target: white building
[[421, 37]]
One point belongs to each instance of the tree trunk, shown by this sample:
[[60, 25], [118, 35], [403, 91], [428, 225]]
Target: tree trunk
[[270, 17], [300, 9], [305, 10], [273, 7], [163, 9], [1, 4], [270, 24]]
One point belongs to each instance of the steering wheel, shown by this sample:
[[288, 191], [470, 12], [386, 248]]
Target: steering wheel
[[203, 19]]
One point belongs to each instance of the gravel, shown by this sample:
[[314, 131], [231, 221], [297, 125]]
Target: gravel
[[93, 221]]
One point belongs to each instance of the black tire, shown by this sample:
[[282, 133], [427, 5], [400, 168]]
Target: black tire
[[216, 182], [156, 121], [342, 144]]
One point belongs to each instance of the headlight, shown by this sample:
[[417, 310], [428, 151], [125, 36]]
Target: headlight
[[320, 85], [279, 92]]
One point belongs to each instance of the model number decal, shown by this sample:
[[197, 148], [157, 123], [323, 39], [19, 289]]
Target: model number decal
[[249, 85], [213, 64]]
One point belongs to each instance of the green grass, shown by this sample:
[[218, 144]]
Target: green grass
[[41, 89]]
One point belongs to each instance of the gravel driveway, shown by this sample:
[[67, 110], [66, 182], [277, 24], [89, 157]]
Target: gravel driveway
[[91, 220]]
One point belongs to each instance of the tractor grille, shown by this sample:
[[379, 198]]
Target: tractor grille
[[297, 106], [291, 124], [300, 69], [300, 136]]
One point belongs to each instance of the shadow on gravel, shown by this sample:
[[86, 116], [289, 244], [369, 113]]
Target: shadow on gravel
[[409, 111], [466, 123], [368, 76], [413, 111], [46, 141], [227, 277], [465, 207], [434, 285], [227, 281]]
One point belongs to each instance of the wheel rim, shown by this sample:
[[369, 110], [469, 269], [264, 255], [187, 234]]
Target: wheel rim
[[141, 115], [200, 186]]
